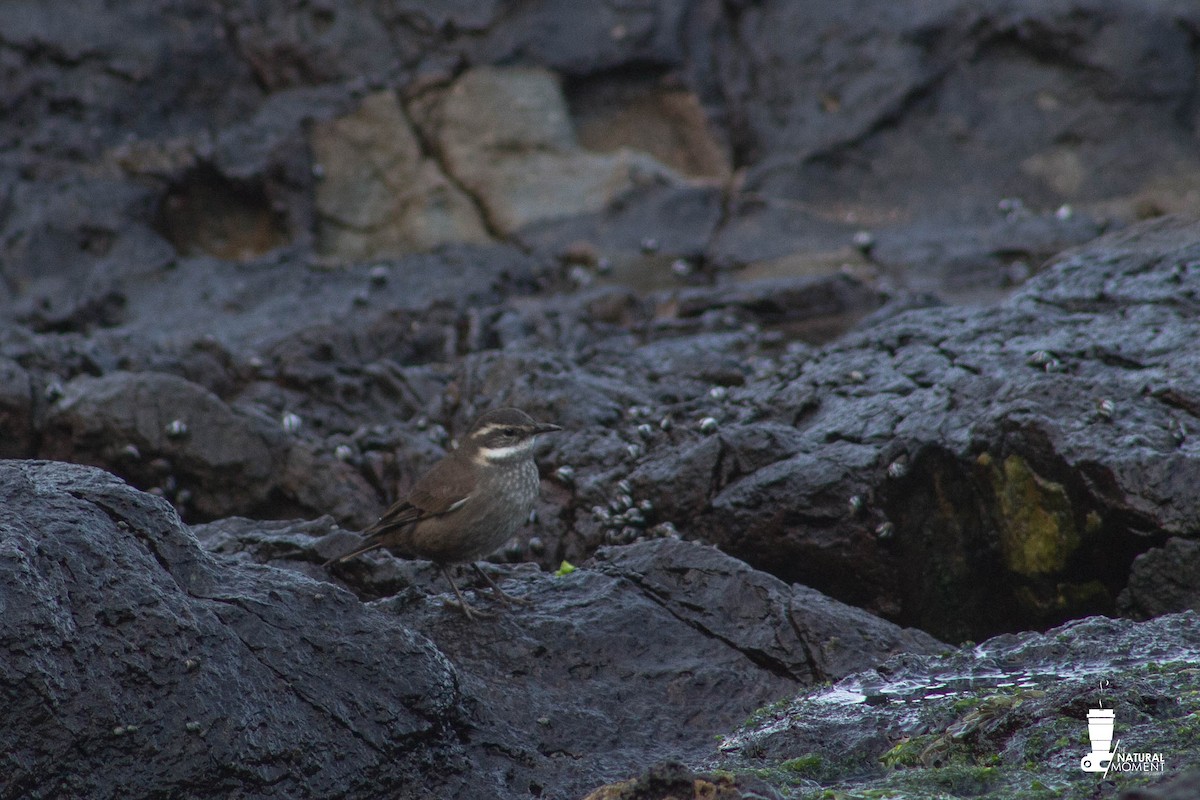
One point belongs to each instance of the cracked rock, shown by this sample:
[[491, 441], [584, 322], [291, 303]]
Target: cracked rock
[[505, 135], [379, 194]]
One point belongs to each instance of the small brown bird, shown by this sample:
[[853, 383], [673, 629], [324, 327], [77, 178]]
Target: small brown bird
[[469, 503]]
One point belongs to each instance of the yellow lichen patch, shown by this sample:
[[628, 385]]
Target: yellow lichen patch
[[613, 791], [1037, 527]]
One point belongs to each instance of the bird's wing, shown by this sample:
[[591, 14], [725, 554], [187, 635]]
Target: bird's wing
[[439, 491], [444, 488]]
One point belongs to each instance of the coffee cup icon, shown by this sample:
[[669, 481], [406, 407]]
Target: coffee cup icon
[[1100, 732]]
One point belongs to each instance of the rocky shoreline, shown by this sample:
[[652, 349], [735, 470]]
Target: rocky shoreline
[[872, 332]]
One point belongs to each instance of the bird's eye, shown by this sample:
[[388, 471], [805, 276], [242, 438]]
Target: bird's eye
[[510, 431]]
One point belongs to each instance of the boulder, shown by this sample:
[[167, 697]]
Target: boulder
[[137, 663]]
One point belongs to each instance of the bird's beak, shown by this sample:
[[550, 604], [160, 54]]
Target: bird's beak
[[546, 427]]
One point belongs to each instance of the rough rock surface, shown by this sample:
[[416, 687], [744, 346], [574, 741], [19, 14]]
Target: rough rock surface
[[269, 260], [1183, 787], [506, 136], [967, 141], [1056, 424], [961, 469], [379, 194], [997, 720], [1163, 580], [136, 662]]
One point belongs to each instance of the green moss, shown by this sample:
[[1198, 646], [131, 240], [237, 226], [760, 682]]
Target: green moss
[[804, 765], [907, 752], [955, 780], [977, 753]]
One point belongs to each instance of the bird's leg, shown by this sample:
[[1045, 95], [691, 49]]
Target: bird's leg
[[500, 594], [463, 604]]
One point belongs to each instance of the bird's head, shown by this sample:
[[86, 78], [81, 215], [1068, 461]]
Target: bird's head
[[503, 435]]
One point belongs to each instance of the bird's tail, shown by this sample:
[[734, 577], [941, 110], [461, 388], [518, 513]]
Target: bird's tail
[[383, 533], [366, 548]]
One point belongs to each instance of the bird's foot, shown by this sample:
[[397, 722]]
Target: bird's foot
[[471, 612], [508, 599], [501, 595], [468, 609]]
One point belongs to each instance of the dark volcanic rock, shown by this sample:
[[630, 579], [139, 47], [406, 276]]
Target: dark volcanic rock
[[790, 629], [968, 140], [139, 417], [1163, 580], [137, 662], [175, 308], [1008, 460], [955, 114], [163, 431], [644, 653]]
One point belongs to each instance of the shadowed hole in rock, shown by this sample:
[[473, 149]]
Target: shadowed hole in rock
[[641, 106], [206, 213], [1000, 545]]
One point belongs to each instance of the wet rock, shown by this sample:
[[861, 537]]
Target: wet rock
[[227, 460], [679, 219], [959, 422], [173, 437], [643, 656], [788, 303], [995, 453], [1164, 580], [378, 194], [228, 113], [577, 41], [998, 252], [1018, 705], [795, 630], [135, 662], [90, 230], [848, 145], [658, 610], [967, 470]]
